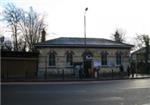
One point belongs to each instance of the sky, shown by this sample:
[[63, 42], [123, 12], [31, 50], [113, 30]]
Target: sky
[[65, 18]]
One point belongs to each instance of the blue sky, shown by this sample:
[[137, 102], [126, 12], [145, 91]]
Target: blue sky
[[65, 17]]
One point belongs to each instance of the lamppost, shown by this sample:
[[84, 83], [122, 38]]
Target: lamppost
[[85, 26], [84, 56]]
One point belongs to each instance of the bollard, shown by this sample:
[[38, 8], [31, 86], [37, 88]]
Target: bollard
[[26, 74], [63, 74], [7, 74], [45, 74], [112, 73]]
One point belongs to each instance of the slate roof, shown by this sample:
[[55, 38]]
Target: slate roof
[[80, 42]]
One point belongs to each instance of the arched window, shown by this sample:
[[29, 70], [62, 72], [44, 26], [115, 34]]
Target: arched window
[[69, 58], [52, 58], [118, 58], [104, 58]]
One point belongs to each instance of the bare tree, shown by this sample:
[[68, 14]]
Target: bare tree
[[31, 26], [118, 36], [12, 16], [26, 26]]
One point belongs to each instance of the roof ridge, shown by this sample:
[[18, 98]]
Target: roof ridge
[[80, 41]]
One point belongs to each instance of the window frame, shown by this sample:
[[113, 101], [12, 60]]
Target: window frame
[[118, 58], [104, 58], [69, 58], [52, 59]]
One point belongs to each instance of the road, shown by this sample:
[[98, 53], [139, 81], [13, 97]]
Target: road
[[116, 92]]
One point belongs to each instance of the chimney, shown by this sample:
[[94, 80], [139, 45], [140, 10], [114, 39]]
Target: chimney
[[117, 36], [43, 36]]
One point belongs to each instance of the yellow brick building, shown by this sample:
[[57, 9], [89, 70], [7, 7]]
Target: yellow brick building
[[66, 53]]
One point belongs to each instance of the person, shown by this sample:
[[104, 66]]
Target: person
[[128, 70], [98, 71], [132, 69], [121, 68], [95, 73], [80, 73]]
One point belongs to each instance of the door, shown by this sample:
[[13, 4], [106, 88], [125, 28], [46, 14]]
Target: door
[[88, 68]]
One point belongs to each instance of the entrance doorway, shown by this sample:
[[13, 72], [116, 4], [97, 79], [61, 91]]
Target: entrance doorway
[[87, 61], [88, 68]]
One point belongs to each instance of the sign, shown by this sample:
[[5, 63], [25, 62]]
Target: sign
[[97, 64], [111, 64], [88, 57]]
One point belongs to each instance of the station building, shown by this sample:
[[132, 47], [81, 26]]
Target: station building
[[65, 53]]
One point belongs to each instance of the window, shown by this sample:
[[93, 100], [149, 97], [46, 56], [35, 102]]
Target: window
[[69, 58], [118, 58], [52, 57], [104, 58]]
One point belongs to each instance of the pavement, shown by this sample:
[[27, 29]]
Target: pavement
[[136, 76], [142, 76], [110, 92]]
